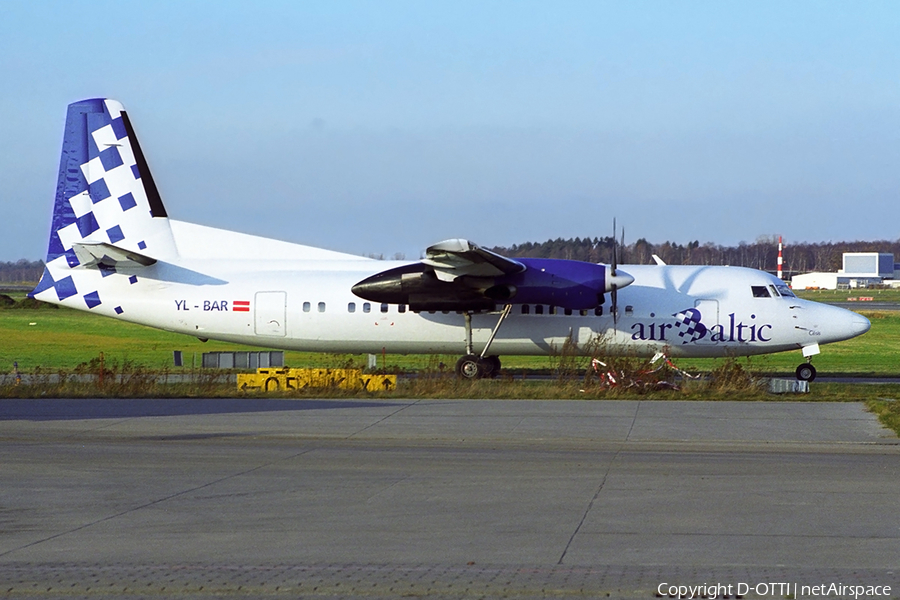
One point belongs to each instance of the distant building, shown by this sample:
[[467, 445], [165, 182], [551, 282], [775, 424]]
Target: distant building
[[861, 270], [869, 264], [815, 281]]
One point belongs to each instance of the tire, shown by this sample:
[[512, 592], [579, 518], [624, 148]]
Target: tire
[[806, 372], [468, 367], [494, 362]]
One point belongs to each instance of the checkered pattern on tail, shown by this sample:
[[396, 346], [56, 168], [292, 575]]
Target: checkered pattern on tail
[[101, 196]]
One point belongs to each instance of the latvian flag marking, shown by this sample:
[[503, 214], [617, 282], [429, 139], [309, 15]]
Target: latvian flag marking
[[240, 306]]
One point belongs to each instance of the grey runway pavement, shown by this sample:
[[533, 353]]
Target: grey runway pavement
[[442, 498]]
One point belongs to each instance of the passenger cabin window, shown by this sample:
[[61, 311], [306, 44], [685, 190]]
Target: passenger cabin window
[[367, 307], [321, 307], [760, 291], [401, 308], [598, 312], [629, 310], [583, 312], [551, 310], [538, 309], [568, 312], [306, 306], [384, 308], [351, 307], [526, 309]]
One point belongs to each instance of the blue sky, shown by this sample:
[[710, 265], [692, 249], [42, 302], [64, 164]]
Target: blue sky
[[383, 127]]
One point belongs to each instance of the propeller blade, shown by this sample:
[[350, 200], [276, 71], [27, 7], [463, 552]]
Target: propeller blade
[[615, 248], [614, 297], [614, 289]]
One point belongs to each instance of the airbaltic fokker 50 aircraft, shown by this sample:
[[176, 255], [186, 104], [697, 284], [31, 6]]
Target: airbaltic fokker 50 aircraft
[[114, 251]]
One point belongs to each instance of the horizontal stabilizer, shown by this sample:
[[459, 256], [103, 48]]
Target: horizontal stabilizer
[[103, 255]]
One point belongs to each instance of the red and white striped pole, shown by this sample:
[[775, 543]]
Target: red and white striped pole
[[780, 260]]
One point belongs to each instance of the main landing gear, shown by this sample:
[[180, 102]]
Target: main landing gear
[[477, 366]]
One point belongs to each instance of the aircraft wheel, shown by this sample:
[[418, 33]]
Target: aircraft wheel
[[467, 367], [493, 363], [488, 367], [806, 372]]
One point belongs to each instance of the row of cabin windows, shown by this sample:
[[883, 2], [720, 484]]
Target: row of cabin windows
[[401, 308], [367, 307], [351, 307], [758, 291], [553, 310]]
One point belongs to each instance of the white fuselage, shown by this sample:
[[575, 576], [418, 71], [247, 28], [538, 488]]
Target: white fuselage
[[211, 292]]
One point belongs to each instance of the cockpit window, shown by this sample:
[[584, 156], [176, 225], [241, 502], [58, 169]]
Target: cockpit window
[[760, 291], [774, 291], [785, 291]]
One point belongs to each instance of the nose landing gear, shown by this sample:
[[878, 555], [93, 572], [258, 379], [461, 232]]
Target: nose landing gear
[[806, 372]]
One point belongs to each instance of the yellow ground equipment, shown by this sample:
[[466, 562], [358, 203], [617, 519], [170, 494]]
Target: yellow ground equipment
[[271, 380]]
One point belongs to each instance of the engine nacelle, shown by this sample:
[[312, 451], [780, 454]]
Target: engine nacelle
[[565, 283]]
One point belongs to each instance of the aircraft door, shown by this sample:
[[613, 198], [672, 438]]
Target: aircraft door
[[270, 313], [709, 316]]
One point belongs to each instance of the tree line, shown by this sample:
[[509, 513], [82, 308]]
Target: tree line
[[21, 271], [802, 257]]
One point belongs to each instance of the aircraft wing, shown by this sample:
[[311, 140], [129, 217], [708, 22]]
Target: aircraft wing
[[456, 258]]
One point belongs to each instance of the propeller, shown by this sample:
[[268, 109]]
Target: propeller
[[616, 278], [614, 289]]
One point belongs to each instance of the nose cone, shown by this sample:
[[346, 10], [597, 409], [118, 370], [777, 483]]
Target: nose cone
[[837, 324], [620, 280], [859, 324]]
